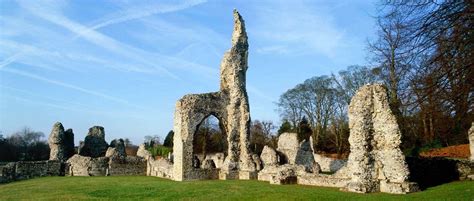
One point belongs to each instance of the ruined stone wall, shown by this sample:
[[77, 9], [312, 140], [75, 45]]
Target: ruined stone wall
[[29, 169], [88, 166], [329, 164], [230, 105], [160, 168], [130, 165], [105, 166], [375, 162]]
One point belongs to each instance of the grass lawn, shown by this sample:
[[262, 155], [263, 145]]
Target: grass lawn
[[141, 187]]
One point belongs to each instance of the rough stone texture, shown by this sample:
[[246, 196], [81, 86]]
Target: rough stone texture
[[375, 162], [297, 158], [282, 174], [230, 105], [128, 165], [471, 140], [105, 166], [208, 164], [160, 168], [285, 175], [88, 166], [142, 152], [29, 169], [116, 149], [94, 143], [294, 153], [269, 156], [258, 162], [288, 145], [329, 164], [217, 158], [61, 143], [322, 180], [304, 156]]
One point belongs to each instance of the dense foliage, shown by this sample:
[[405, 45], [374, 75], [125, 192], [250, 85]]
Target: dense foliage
[[24, 145]]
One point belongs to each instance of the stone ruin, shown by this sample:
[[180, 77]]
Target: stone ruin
[[97, 158], [61, 143], [289, 161], [94, 144], [230, 105], [375, 162]]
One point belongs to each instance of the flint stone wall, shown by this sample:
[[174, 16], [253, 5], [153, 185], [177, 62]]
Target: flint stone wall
[[160, 168], [130, 165], [29, 169], [230, 105], [323, 180], [105, 166], [375, 162]]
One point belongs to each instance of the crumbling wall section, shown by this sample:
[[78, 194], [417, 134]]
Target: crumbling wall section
[[29, 169], [375, 162], [230, 105]]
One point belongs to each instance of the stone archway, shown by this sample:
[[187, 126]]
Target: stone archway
[[230, 105]]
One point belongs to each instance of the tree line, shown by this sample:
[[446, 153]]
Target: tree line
[[24, 145]]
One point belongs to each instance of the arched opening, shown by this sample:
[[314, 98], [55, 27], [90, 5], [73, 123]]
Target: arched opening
[[209, 143]]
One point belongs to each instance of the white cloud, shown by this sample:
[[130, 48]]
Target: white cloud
[[139, 9], [41, 9]]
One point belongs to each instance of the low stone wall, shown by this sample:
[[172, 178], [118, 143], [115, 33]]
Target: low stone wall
[[160, 168], [130, 165], [200, 174], [29, 169], [322, 180], [105, 166], [87, 166]]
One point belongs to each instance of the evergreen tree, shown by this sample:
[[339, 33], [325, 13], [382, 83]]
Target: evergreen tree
[[169, 139], [304, 130], [285, 127]]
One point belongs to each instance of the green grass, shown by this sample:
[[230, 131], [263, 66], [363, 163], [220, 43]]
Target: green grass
[[152, 188]]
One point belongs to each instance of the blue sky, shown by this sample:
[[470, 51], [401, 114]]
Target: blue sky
[[123, 64]]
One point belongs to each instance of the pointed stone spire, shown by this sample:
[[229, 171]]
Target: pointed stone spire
[[239, 35]]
